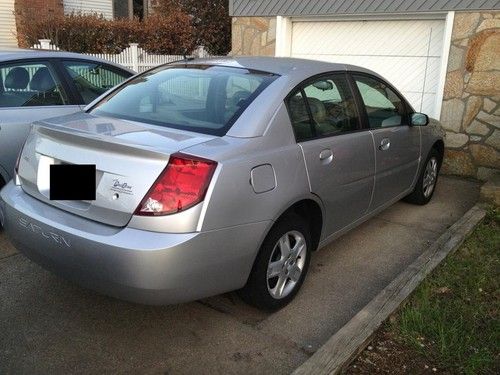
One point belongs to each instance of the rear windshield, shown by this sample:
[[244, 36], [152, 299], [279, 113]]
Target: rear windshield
[[201, 98]]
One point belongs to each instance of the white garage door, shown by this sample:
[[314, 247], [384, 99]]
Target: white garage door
[[7, 24], [406, 53]]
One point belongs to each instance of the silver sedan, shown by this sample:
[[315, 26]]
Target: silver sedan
[[202, 177]]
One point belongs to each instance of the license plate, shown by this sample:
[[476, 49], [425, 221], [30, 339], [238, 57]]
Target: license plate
[[72, 182]]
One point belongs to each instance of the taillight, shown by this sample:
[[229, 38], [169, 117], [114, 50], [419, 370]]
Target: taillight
[[182, 184]]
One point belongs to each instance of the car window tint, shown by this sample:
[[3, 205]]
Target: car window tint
[[201, 98], [93, 79], [332, 106], [383, 106], [238, 90], [29, 84], [299, 117]]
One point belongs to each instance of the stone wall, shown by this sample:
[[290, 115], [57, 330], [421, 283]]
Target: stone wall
[[471, 105], [253, 36]]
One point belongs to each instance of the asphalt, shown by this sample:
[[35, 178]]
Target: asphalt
[[48, 325]]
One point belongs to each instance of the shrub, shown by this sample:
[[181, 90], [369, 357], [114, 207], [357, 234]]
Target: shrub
[[209, 18], [167, 34], [170, 33]]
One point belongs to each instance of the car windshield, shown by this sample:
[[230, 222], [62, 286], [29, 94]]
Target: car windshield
[[201, 98]]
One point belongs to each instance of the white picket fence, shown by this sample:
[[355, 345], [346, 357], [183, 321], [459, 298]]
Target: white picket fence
[[132, 57]]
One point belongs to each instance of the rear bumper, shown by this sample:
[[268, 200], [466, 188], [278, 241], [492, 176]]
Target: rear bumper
[[135, 265]]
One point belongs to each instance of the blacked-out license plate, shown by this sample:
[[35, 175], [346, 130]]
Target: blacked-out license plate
[[72, 182]]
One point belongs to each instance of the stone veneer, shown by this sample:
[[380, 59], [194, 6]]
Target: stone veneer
[[253, 36], [471, 112]]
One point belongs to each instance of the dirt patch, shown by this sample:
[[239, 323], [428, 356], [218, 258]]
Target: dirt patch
[[386, 354]]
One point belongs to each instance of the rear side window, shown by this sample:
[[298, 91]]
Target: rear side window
[[29, 84], [322, 108], [201, 98], [383, 106], [93, 79], [299, 117]]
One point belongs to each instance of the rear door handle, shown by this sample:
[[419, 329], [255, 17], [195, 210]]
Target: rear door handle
[[385, 143], [326, 156]]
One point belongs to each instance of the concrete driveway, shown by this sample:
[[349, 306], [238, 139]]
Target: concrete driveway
[[48, 325]]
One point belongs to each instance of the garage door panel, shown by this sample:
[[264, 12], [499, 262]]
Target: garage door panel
[[407, 53], [368, 38], [437, 37], [428, 101], [355, 38], [415, 99], [432, 74]]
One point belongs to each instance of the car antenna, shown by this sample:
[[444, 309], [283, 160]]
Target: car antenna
[[185, 58]]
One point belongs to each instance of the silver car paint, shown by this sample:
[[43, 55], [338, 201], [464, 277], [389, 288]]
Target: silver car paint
[[210, 248], [15, 126], [15, 121], [137, 265], [396, 166]]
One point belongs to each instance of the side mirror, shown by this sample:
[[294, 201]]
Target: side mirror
[[419, 119]]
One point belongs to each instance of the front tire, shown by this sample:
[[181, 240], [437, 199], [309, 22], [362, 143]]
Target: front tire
[[281, 265], [427, 180]]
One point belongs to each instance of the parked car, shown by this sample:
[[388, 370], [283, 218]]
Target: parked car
[[218, 175], [38, 84]]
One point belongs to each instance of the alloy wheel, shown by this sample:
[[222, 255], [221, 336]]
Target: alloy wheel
[[286, 264], [430, 176]]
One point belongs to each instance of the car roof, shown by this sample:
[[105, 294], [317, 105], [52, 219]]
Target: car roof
[[283, 66], [11, 54]]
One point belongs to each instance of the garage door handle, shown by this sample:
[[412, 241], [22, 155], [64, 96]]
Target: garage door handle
[[384, 144]]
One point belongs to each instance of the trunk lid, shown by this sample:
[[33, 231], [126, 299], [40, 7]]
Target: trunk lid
[[129, 157]]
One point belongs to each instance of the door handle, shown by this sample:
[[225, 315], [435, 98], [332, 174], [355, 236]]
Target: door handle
[[384, 144], [326, 156]]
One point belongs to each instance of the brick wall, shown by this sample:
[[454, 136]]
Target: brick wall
[[40, 7]]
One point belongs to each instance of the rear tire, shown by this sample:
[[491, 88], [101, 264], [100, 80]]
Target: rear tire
[[281, 265], [427, 180]]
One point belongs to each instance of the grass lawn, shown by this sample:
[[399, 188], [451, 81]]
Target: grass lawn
[[450, 323]]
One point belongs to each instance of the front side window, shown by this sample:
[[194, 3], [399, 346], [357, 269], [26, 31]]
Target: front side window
[[383, 106], [92, 79], [331, 106], [201, 98], [29, 84]]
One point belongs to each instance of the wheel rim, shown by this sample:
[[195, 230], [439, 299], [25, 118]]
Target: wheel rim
[[286, 264], [430, 176]]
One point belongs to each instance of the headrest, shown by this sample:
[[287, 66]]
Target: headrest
[[17, 79], [239, 98], [318, 109], [298, 109], [42, 81], [323, 85]]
